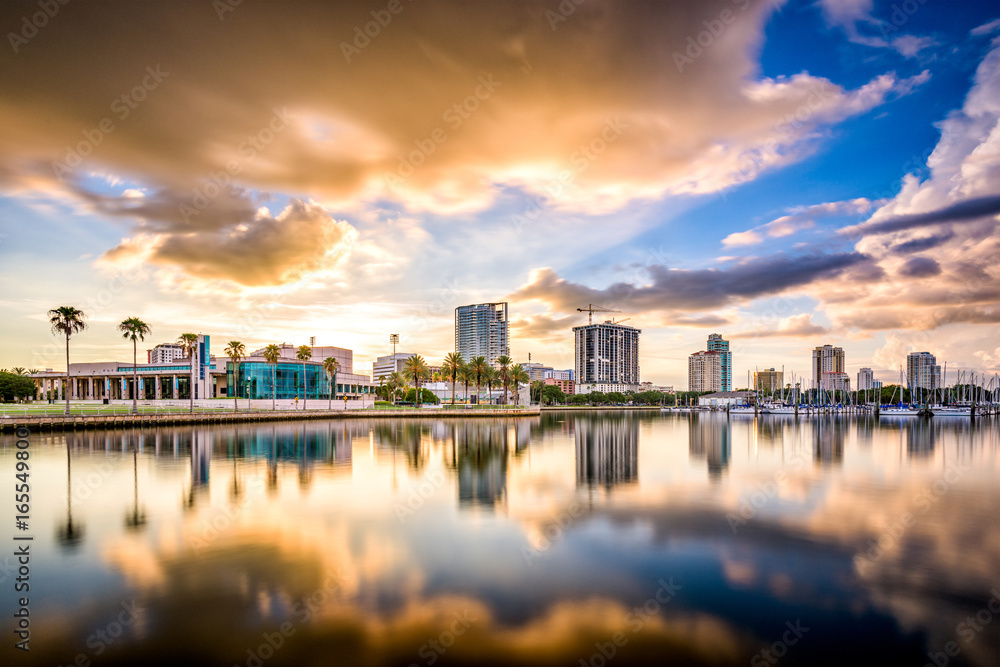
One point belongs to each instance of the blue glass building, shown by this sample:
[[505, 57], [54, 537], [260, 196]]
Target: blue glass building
[[716, 344]]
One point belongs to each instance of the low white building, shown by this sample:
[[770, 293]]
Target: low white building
[[721, 399], [605, 388]]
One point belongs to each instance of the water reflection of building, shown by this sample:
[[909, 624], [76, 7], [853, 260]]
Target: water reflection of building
[[607, 450], [481, 452], [828, 440], [201, 457], [921, 436], [710, 437]]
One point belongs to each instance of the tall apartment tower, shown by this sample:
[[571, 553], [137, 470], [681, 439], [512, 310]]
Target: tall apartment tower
[[705, 371], [922, 371], [826, 359], [481, 330], [866, 379], [717, 344], [607, 356]]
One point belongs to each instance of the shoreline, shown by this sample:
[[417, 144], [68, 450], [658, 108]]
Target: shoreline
[[78, 422]]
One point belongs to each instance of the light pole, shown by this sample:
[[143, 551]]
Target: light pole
[[394, 338]]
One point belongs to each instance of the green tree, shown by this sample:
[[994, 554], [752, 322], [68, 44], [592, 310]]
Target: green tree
[[518, 376], [479, 367], [15, 387], [271, 355], [551, 395], [237, 352], [453, 364], [332, 367], [503, 373], [414, 370], [304, 353], [426, 396], [187, 341], [67, 320], [134, 329]]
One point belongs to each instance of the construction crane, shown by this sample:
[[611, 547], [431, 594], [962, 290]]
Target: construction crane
[[613, 321], [591, 309]]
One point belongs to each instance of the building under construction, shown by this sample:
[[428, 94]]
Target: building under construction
[[607, 357]]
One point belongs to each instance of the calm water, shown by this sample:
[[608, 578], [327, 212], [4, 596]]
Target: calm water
[[560, 540]]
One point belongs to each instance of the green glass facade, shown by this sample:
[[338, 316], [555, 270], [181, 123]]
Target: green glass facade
[[285, 380]]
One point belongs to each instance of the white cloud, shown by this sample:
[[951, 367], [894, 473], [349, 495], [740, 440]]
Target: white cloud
[[799, 218]]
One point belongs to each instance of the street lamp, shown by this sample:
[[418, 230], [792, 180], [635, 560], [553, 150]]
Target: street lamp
[[394, 339]]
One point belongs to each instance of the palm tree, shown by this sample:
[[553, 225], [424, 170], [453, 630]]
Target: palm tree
[[237, 352], [504, 373], [18, 370], [415, 369], [32, 371], [187, 341], [466, 376], [492, 378], [304, 353], [332, 367], [134, 329], [67, 320], [395, 383], [479, 367], [271, 354], [453, 363], [518, 376]]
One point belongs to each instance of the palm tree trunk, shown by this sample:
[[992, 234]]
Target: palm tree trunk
[[453, 390], [67, 373], [191, 386], [274, 388], [236, 393], [135, 378], [305, 388]]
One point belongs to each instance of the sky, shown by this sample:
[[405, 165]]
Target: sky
[[787, 173]]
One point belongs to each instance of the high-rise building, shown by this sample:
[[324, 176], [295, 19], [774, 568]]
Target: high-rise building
[[866, 379], [768, 381], [922, 371], [481, 330], [717, 344], [705, 371], [826, 359], [164, 353], [387, 365], [607, 357]]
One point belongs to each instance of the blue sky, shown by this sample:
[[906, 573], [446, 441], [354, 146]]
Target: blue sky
[[712, 197]]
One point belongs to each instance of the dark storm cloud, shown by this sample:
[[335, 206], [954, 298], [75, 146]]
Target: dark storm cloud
[[920, 267], [693, 290], [969, 210]]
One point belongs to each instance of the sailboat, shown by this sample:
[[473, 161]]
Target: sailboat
[[950, 410], [900, 409]]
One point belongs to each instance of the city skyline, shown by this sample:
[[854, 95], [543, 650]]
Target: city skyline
[[692, 165]]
